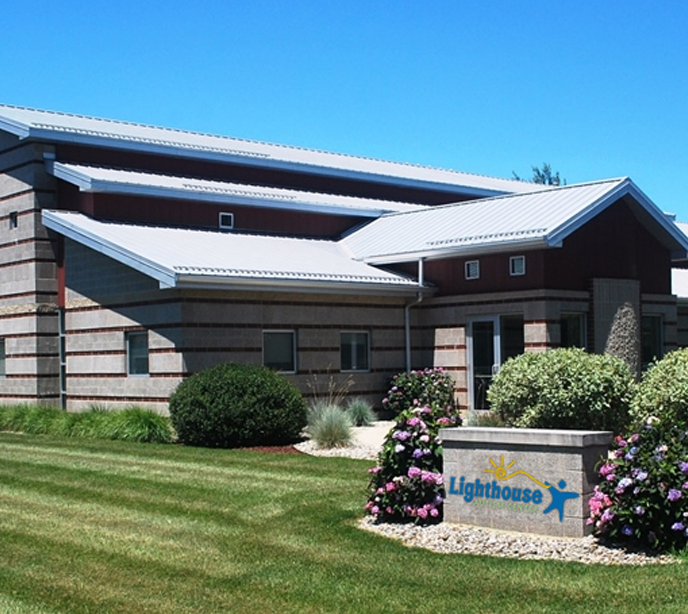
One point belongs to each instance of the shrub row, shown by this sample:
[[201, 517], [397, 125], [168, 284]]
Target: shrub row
[[131, 424]]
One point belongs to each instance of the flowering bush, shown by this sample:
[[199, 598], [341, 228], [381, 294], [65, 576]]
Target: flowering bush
[[420, 388], [407, 483], [643, 494]]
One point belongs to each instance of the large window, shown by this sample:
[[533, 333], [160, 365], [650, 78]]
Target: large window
[[355, 351], [651, 340], [572, 330], [137, 353], [279, 350]]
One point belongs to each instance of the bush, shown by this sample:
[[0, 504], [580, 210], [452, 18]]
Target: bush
[[235, 405], [330, 427], [407, 484], [422, 388], [360, 412], [563, 389], [643, 495], [663, 391]]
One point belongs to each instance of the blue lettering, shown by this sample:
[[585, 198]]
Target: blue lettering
[[526, 495], [537, 497], [461, 485], [506, 493], [515, 494], [495, 490], [468, 496], [479, 489], [452, 488]]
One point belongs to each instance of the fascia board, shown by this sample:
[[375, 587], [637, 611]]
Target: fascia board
[[14, 127], [82, 181], [253, 159], [165, 276], [198, 282], [454, 252]]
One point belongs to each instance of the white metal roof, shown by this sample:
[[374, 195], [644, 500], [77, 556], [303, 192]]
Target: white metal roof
[[63, 127], [95, 179], [519, 221], [193, 258]]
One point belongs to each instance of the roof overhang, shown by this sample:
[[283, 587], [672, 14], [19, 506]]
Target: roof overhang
[[217, 279]]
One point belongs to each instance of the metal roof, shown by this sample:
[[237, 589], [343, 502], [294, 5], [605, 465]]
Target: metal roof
[[520, 221], [95, 179], [204, 259], [62, 127]]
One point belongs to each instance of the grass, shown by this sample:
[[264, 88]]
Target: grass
[[115, 527]]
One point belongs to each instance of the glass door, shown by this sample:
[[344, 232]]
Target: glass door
[[491, 340]]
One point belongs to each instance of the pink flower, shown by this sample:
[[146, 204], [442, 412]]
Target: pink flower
[[390, 486], [375, 510], [414, 472], [422, 512]]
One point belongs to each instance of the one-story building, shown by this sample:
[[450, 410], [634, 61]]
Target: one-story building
[[132, 256]]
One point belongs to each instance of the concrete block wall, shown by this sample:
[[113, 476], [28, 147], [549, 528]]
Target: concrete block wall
[[539, 460], [28, 287]]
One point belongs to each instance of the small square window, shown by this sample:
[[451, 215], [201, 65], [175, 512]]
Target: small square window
[[355, 351], [226, 220], [137, 353], [572, 326], [13, 219], [517, 265], [472, 268], [279, 350]]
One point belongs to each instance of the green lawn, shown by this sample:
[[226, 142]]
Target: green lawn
[[105, 527]]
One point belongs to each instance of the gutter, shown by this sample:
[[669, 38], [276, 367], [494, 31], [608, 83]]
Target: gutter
[[407, 314]]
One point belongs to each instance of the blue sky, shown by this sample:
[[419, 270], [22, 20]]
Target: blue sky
[[596, 88]]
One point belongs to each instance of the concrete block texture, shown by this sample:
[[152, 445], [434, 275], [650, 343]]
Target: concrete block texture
[[527, 480]]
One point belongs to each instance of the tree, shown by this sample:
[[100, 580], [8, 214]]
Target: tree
[[544, 175]]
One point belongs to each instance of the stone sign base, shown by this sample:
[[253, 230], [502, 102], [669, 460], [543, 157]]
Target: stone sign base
[[528, 480]]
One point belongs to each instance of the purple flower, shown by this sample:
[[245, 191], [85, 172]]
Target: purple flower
[[674, 495], [417, 453], [684, 467], [677, 526], [401, 435], [414, 472], [606, 469], [639, 510], [627, 530], [642, 476], [623, 485]]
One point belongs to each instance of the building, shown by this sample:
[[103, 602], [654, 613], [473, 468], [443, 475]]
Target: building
[[133, 256]]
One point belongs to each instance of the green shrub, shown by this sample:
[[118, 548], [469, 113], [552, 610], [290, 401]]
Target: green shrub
[[563, 389], [663, 390], [330, 427], [360, 412], [134, 424], [642, 498], [421, 388], [235, 405], [485, 419]]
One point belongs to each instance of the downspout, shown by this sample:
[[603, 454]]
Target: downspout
[[407, 314]]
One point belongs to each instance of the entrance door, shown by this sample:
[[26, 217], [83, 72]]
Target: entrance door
[[491, 340]]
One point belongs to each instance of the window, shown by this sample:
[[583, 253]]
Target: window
[[472, 269], [279, 350], [3, 371], [13, 220], [650, 340], [517, 265], [226, 220], [137, 353], [572, 330], [355, 351]]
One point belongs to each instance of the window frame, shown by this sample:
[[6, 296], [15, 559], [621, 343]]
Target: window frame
[[130, 338], [220, 222], [512, 261], [467, 269], [294, 349], [582, 317], [353, 368], [645, 361]]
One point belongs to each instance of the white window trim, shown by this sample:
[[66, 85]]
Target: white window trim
[[225, 226], [368, 350], [512, 262], [294, 348], [467, 268]]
